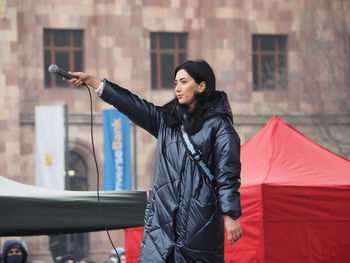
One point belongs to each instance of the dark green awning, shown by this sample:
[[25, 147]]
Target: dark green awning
[[28, 210]]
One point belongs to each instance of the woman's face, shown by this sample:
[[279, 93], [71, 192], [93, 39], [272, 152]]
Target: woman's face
[[186, 88]]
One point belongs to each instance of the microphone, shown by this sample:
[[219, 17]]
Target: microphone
[[57, 71]]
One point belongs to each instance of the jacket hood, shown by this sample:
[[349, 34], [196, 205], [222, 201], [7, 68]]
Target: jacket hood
[[67, 257], [221, 107], [13, 244]]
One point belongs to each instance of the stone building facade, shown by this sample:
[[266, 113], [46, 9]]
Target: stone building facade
[[117, 45]]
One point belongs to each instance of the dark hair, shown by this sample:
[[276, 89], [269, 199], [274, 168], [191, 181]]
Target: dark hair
[[174, 112]]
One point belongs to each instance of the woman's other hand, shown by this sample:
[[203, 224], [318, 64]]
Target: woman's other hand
[[233, 228], [81, 78]]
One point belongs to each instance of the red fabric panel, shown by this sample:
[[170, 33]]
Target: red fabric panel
[[133, 238], [295, 203], [308, 241], [306, 223]]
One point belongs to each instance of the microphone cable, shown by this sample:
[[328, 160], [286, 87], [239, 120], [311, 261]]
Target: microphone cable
[[98, 174]]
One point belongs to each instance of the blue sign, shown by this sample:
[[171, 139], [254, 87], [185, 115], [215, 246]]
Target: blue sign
[[117, 160]]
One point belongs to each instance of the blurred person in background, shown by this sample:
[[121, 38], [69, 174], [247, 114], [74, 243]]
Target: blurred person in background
[[68, 258], [113, 258], [14, 251], [123, 258]]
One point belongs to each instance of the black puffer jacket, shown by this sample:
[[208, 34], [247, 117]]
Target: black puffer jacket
[[183, 219]]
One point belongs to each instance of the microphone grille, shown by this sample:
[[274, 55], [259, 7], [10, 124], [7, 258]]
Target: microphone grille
[[53, 69]]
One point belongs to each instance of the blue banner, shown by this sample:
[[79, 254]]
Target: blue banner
[[117, 157]]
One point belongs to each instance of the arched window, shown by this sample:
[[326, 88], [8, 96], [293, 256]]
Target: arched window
[[77, 175]]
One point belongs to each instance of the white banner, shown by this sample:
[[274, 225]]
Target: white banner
[[50, 146]]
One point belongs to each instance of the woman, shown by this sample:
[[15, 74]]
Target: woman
[[184, 218]]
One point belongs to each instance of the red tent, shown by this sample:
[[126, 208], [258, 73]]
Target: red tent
[[295, 199]]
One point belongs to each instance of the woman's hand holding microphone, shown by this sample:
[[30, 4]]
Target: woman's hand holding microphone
[[81, 78]]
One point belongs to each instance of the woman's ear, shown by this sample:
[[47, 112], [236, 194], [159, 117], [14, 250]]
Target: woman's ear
[[202, 87]]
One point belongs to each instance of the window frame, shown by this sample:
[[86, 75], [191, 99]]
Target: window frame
[[70, 50], [280, 80], [177, 51]]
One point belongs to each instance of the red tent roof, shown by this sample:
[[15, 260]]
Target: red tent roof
[[279, 154]]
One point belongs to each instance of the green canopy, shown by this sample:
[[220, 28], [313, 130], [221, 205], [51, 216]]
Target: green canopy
[[28, 210]]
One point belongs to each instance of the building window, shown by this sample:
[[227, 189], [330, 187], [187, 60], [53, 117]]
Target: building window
[[64, 48], [168, 50], [270, 62]]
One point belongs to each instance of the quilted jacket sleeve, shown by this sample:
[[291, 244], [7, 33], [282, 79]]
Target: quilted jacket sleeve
[[139, 111], [227, 169]]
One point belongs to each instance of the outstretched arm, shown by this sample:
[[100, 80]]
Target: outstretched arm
[[141, 112]]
